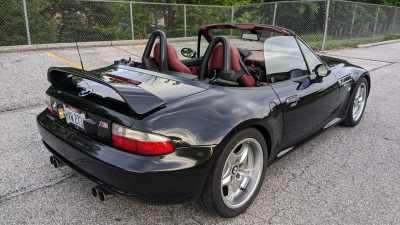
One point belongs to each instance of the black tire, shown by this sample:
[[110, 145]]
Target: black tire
[[349, 121], [211, 197]]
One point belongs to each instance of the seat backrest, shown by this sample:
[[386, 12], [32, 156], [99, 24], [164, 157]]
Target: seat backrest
[[216, 64], [173, 60]]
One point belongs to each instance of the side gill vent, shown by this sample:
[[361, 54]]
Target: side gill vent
[[345, 80]]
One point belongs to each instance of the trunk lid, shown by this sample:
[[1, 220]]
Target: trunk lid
[[115, 95], [116, 86]]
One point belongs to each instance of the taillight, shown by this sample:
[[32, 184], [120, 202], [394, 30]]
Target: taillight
[[140, 142], [49, 102]]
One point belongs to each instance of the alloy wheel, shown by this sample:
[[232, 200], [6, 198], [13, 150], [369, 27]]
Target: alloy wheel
[[241, 173], [359, 102]]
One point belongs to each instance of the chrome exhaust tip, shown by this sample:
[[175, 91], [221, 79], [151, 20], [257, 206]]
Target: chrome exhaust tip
[[105, 195], [56, 162], [101, 193], [96, 190]]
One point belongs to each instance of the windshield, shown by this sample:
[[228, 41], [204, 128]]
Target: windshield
[[245, 39], [283, 59]]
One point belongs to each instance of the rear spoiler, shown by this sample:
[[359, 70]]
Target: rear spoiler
[[139, 100]]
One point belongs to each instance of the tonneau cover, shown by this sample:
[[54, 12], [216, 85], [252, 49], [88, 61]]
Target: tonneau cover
[[138, 99]]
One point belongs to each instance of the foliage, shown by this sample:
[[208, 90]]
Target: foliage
[[60, 21], [246, 2], [391, 37], [12, 23], [366, 19]]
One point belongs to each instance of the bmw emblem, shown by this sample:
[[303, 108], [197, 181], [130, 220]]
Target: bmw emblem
[[235, 170], [85, 92]]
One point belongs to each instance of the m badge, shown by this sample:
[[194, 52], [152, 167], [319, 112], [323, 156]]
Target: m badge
[[103, 125]]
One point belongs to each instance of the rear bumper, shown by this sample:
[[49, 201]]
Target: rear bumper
[[173, 178]]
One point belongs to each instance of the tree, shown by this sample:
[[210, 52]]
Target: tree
[[12, 23]]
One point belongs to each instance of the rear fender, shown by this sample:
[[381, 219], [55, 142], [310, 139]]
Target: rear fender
[[212, 116]]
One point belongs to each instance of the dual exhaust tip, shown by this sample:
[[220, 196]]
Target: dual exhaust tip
[[101, 193], [57, 163], [97, 191]]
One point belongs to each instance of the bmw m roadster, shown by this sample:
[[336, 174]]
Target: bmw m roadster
[[205, 128]]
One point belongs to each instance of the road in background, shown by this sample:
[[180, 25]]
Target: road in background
[[343, 176]]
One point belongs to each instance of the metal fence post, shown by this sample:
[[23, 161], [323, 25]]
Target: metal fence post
[[394, 21], [232, 15], [184, 17], [376, 21], [132, 31], [326, 25], [28, 35], [273, 20], [352, 22]]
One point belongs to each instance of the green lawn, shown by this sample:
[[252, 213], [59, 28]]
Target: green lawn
[[335, 42]]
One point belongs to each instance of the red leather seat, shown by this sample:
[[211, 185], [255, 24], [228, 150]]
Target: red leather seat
[[216, 64], [173, 60]]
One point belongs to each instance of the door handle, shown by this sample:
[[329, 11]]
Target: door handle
[[292, 100]]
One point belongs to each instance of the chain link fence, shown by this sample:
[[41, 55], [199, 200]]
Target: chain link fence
[[25, 22], [352, 23]]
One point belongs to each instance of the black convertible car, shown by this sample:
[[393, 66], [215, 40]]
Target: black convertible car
[[165, 130]]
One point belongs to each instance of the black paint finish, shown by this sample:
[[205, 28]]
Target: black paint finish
[[314, 105], [198, 118], [150, 178]]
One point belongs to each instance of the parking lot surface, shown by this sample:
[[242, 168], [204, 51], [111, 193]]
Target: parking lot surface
[[343, 176]]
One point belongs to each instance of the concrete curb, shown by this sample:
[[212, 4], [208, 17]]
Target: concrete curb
[[23, 48], [377, 43]]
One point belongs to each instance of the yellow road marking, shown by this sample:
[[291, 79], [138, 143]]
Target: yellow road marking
[[142, 46], [192, 42], [69, 62]]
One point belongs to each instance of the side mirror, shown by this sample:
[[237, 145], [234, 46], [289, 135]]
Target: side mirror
[[188, 52], [322, 70]]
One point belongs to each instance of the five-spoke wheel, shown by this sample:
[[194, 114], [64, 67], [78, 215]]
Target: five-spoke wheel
[[241, 173], [237, 174], [357, 104]]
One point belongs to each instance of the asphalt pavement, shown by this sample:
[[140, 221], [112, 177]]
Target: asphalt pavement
[[343, 176]]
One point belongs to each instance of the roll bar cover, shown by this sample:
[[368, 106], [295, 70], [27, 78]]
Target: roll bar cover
[[226, 59], [163, 65]]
